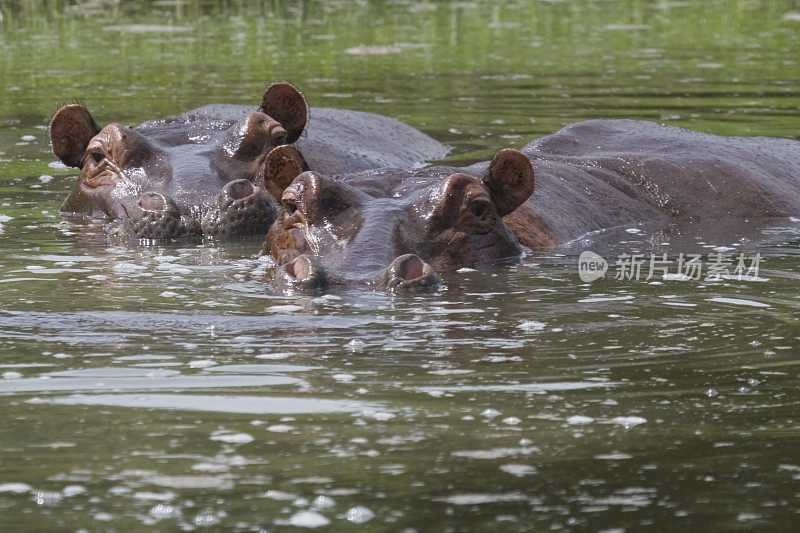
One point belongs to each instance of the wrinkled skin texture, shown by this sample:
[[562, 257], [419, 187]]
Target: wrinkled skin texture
[[213, 171], [589, 176]]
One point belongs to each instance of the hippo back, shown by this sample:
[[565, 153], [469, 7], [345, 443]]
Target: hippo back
[[335, 141]]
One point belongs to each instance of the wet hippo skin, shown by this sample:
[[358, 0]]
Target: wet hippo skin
[[202, 172], [395, 228]]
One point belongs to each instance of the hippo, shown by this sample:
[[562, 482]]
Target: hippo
[[395, 228], [202, 173]]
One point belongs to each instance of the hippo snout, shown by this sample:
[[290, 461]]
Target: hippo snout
[[156, 217], [409, 273], [242, 209]]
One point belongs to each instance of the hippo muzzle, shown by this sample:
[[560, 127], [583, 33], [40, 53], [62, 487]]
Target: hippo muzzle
[[407, 273]]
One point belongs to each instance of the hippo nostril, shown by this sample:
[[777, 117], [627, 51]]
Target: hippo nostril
[[300, 269], [240, 189], [153, 201], [409, 272], [278, 135], [409, 267], [289, 206]]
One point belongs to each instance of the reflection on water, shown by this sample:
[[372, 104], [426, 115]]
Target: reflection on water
[[175, 387]]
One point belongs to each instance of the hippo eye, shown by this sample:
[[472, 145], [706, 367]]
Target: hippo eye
[[97, 156], [479, 209]]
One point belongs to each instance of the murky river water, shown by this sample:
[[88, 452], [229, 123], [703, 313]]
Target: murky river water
[[174, 387]]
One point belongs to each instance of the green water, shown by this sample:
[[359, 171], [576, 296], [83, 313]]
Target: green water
[[175, 388]]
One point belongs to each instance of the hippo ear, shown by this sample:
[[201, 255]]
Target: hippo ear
[[70, 132], [509, 179], [282, 166], [283, 102]]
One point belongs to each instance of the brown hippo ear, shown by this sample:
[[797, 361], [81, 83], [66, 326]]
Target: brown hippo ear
[[283, 102], [70, 132], [282, 166], [509, 179]]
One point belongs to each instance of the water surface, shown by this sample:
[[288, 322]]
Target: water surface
[[175, 387]]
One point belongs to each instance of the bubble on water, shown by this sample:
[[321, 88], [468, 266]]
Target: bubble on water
[[58, 165], [283, 308], [169, 294], [279, 355], [45, 178], [164, 511], [28, 138], [465, 269], [532, 325], [578, 419], [712, 393], [518, 470], [11, 375], [355, 345], [311, 519], [127, 268], [201, 363], [279, 495], [207, 519], [323, 502], [47, 497], [15, 488], [359, 514], [213, 468], [496, 453], [145, 495], [343, 378], [490, 413], [629, 421], [634, 231], [73, 490], [103, 517], [232, 438], [511, 420], [380, 416], [280, 428]]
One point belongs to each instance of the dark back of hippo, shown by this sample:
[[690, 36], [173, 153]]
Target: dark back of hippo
[[335, 141], [605, 173]]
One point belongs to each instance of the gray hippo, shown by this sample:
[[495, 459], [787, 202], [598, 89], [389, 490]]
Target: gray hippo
[[395, 228], [203, 172]]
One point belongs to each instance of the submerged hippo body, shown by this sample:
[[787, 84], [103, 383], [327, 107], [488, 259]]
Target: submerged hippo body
[[395, 228], [202, 173]]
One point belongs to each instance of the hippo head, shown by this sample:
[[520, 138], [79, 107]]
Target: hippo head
[[335, 230], [197, 174]]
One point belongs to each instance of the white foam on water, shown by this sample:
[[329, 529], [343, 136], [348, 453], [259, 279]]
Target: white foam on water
[[532, 325], [518, 470], [215, 403], [280, 428], [309, 519], [737, 301], [359, 514], [628, 421], [523, 387], [496, 453], [15, 488], [481, 498], [595, 299], [232, 438], [578, 419]]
